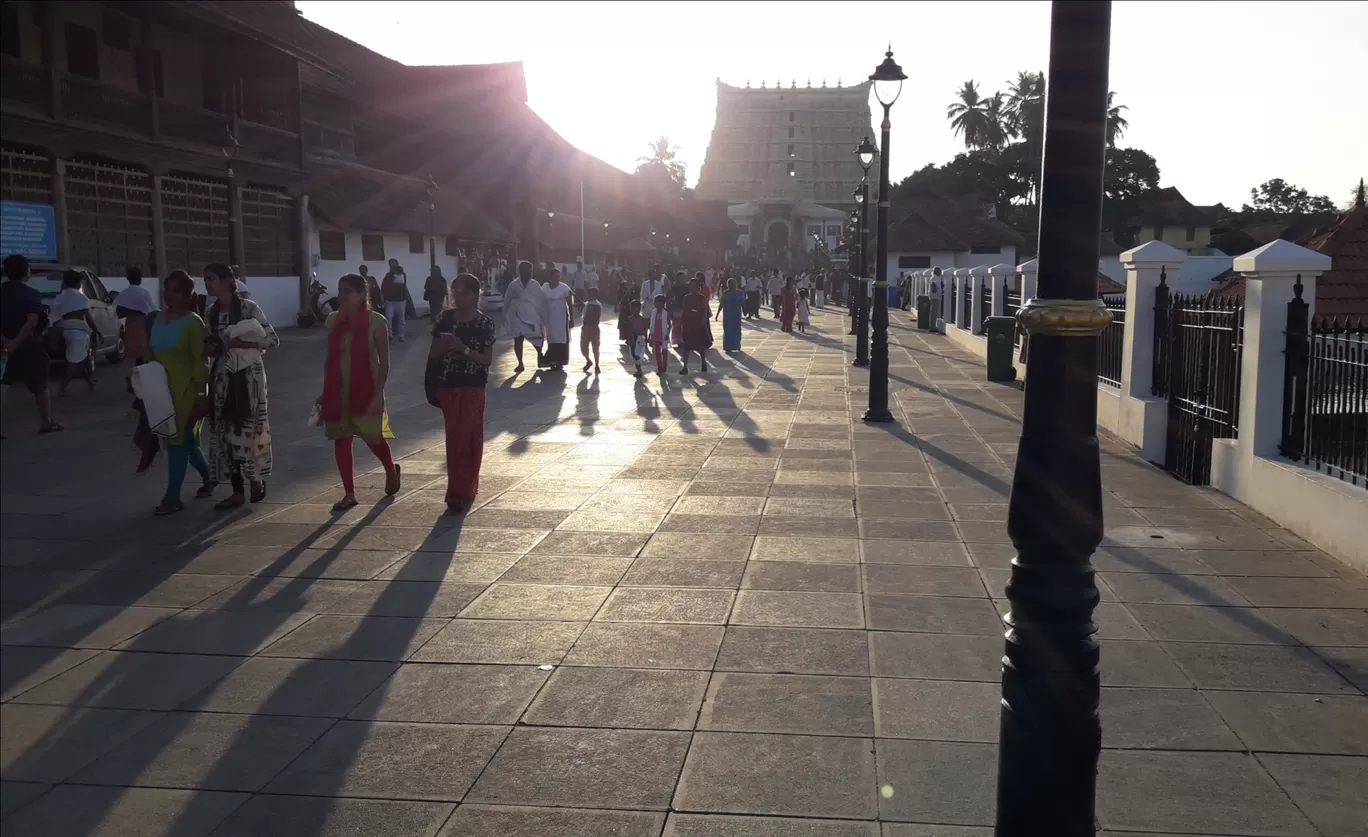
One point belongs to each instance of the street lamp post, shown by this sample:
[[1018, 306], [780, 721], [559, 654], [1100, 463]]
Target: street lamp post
[[853, 266], [230, 152], [888, 79], [431, 190], [1050, 735], [550, 233], [864, 154]]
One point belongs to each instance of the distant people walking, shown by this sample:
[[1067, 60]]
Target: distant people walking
[[660, 335], [695, 326], [239, 417], [639, 330], [788, 300], [22, 321], [71, 314], [558, 320], [589, 329], [462, 351], [394, 288], [435, 292], [776, 293], [524, 309], [804, 313], [652, 287], [355, 372], [176, 342], [730, 308], [754, 291]]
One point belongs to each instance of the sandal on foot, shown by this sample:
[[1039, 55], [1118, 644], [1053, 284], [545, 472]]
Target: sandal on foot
[[392, 482], [258, 492], [344, 504], [206, 490], [51, 427], [232, 501], [168, 506]]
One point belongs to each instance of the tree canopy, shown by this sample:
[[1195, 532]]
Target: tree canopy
[[662, 167], [1278, 197]]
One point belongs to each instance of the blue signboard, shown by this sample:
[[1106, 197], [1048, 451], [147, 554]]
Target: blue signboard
[[29, 229]]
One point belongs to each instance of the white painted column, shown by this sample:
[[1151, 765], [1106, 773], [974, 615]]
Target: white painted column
[[1270, 274], [998, 275], [1029, 271], [961, 282], [1144, 265], [976, 279]]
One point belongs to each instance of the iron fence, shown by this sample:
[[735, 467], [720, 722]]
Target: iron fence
[[1205, 345], [985, 305], [966, 299], [1011, 303], [1111, 341], [1325, 393], [1159, 369]]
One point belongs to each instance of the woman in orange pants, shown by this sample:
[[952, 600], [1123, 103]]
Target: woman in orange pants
[[458, 369]]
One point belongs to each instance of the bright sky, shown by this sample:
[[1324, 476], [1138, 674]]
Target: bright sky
[[1225, 95]]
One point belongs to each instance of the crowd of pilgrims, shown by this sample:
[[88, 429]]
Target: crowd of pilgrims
[[205, 403]]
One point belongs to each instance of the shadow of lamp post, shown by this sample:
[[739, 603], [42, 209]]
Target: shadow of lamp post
[[1050, 734]]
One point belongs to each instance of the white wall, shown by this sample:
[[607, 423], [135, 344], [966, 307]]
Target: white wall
[[945, 260], [416, 265], [948, 260]]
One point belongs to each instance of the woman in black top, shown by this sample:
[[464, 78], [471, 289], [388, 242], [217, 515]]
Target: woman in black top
[[458, 369]]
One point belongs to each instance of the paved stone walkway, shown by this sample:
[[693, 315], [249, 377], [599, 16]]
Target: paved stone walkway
[[711, 607]]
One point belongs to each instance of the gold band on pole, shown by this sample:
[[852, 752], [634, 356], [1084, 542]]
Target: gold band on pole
[[1064, 317]]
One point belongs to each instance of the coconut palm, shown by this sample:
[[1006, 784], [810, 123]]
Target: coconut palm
[[995, 115], [969, 116], [1025, 107], [661, 162], [1116, 123]]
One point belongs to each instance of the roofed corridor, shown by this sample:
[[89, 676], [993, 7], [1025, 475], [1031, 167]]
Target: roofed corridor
[[696, 607]]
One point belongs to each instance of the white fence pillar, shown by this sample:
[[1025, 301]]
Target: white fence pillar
[[1271, 272], [998, 274], [976, 278], [1144, 265], [1029, 271]]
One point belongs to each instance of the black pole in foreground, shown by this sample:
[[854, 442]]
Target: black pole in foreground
[[861, 285], [1050, 733], [877, 411]]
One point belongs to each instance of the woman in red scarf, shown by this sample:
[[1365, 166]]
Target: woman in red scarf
[[790, 308], [353, 402]]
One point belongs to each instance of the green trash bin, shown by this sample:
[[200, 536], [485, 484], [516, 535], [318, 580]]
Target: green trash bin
[[1001, 332], [924, 322]]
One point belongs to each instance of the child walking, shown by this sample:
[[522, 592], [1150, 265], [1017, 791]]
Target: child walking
[[804, 313], [660, 334], [637, 328], [589, 331]]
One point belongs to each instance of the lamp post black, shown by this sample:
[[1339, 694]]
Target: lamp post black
[[888, 79], [1050, 734], [431, 190], [862, 266], [230, 152], [550, 235], [853, 228]]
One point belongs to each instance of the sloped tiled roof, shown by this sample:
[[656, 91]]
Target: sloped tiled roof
[[358, 197], [1168, 208], [1343, 290], [932, 223]]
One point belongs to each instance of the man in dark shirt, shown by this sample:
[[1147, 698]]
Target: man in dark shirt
[[21, 330]]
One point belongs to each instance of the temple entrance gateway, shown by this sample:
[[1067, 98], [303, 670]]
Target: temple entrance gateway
[[777, 236]]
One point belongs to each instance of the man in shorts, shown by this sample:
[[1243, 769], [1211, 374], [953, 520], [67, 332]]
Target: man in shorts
[[21, 332]]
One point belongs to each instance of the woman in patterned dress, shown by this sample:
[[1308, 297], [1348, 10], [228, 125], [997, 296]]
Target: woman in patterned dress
[[462, 351], [239, 420]]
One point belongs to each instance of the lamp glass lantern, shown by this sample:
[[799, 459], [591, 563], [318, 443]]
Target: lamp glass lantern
[[888, 80], [865, 151]]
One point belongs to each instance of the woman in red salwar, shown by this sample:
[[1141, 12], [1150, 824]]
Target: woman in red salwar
[[462, 351], [790, 306]]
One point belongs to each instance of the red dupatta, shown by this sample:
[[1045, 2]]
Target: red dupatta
[[362, 383]]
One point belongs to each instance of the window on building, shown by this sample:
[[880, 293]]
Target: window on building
[[117, 30], [82, 51], [416, 244], [9, 30], [453, 246], [1191, 233], [984, 249], [792, 149], [269, 231], [833, 231], [790, 170], [790, 133], [815, 231], [372, 248], [913, 262], [1159, 233], [790, 116], [158, 77], [332, 245]]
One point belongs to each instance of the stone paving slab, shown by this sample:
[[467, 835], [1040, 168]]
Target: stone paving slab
[[705, 606]]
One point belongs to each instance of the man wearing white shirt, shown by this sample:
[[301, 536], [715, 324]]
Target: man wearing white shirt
[[776, 292], [754, 288], [652, 287], [134, 300], [575, 279]]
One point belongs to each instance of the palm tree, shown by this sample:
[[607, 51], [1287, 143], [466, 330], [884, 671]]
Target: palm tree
[[1026, 119], [995, 116], [969, 116], [662, 163], [1116, 123]]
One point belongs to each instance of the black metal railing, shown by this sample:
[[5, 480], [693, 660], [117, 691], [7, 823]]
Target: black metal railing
[[268, 143], [1011, 303], [985, 306], [94, 101], [966, 300], [1325, 393], [203, 127], [1159, 369], [23, 84], [1205, 346], [1111, 341]]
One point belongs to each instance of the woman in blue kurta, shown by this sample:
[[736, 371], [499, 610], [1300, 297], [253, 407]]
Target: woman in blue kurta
[[732, 301]]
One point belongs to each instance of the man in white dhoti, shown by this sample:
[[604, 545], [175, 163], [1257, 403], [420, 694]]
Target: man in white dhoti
[[556, 320], [524, 308], [653, 287]]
